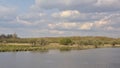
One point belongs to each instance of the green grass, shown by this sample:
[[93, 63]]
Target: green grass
[[61, 43], [13, 48]]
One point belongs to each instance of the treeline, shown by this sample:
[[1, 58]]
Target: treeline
[[8, 36]]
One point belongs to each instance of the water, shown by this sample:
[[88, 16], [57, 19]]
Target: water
[[92, 58]]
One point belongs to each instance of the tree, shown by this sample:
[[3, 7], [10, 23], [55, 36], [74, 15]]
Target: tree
[[66, 41], [2, 36], [8, 36]]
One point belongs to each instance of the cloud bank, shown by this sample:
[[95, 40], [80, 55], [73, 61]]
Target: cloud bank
[[63, 18]]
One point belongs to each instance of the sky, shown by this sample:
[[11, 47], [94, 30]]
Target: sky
[[54, 18]]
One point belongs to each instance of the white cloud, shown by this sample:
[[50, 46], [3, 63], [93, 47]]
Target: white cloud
[[42, 31], [60, 4], [86, 26], [63, 25], [56, 32], [62, 18], [108, 3], [67, 14], [101, 23], [32, 18], [42, 14], [80, 5], [68, 25], [95, 24], [23, 21]]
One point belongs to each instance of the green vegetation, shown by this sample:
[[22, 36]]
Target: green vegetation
[[13, 43], [66, 41], [5, 48], [3, 36], [40, 42]]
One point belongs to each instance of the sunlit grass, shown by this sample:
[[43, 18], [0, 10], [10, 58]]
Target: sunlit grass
[[60, 43], [6, 48]]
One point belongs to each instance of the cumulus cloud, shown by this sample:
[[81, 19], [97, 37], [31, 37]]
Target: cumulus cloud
[[101, 23], [86, 26], [105, 23], [63, 25], [62, 18], [81, 5], [67, 14]]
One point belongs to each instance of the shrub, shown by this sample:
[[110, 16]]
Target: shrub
[[114, 42], [66, 41], [42, 42]]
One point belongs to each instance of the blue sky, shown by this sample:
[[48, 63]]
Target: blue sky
[[22, 5], [46, 18]]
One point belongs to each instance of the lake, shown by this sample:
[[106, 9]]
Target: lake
[[91, 58]]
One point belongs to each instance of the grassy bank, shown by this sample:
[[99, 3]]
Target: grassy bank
[[61, 43], [16, 48]]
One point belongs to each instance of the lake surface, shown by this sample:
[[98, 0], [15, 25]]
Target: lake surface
[[92, 58]]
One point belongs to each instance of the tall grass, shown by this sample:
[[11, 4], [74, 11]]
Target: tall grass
[[63, 43], [6, 48]]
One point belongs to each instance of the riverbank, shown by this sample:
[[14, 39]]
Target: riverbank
[[60, 43], [16, 48]]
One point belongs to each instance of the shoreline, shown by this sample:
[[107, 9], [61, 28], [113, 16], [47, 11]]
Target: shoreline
[[17, 48]]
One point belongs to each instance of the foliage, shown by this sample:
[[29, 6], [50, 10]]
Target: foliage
[[6, 48], [66, 41], [41, 42], [88, 40], [3, 36]]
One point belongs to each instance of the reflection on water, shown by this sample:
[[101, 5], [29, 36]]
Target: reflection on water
[[93, 58]]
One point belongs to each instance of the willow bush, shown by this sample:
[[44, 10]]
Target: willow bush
[[40, 42], [66, 41]]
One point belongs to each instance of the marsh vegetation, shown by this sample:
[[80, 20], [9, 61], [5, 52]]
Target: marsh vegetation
[[62, 43]]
